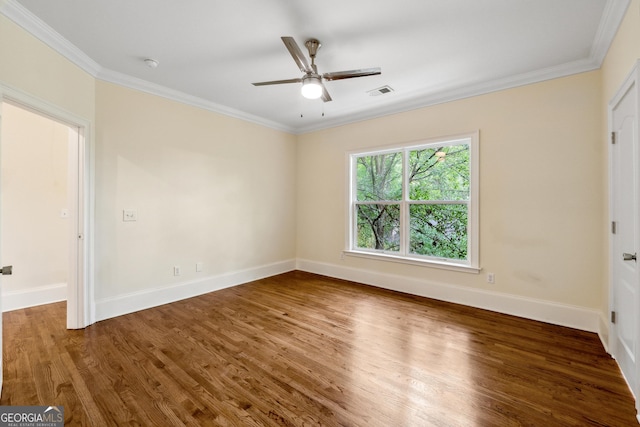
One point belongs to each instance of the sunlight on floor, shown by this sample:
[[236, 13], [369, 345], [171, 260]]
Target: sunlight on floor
[[412, 396]]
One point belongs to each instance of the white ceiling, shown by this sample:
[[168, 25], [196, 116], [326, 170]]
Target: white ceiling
[[430, 51]]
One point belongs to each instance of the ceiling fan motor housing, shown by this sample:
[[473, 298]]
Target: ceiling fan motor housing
[[312, 45]]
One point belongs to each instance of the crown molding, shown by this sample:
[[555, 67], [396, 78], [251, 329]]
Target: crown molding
[[612, 17], [613, 14], [184, 98], [429, 98], [43, 32]]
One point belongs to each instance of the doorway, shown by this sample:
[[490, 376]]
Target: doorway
[[624, 155], [64, 219], [35, 217]]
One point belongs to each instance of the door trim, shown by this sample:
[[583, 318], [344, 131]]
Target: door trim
[[80, 298], [631, 82]]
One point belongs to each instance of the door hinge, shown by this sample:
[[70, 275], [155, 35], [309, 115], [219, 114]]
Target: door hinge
[[613, 317], [613, 137], [613, 227]]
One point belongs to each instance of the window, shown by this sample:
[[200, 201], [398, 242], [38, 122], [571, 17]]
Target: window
[[417, 203]]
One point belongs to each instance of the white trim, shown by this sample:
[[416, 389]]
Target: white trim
[[611, 18], [413, 261], [582, 318], [184, 98], [603, 331], [80, 307], [472, 264], [15, 300], [416, 100], [43, 32], [129, 303]]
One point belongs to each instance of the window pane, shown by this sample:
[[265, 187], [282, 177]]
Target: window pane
[[379, 227], [439, 231], [380, 177], [439, 173]]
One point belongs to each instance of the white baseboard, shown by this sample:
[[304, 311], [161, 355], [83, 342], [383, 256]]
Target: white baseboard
[[15, 300], [603, 331], [129, 303], [546, 311]]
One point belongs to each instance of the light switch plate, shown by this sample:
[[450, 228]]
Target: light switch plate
[[129, 215]]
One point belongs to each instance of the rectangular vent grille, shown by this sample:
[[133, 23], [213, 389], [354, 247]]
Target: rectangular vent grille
[[380, 91]]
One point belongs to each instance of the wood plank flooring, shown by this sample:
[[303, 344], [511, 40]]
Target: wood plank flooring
[[305, 350]]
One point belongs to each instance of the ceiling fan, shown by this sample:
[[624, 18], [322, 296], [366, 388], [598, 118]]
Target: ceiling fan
[[312, 86]]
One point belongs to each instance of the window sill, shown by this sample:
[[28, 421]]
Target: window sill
[[444, 265]]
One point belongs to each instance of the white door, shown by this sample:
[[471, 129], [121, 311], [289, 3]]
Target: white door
[[625, 215]]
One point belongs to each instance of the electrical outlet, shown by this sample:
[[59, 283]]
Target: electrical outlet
[[198, 267], [129, 215], [491, 278], [176, 270]]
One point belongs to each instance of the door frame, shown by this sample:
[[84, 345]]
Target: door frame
[[631, 82], [80, 294]]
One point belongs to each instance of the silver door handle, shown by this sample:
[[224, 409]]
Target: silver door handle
[[628, 257], [6, 271]]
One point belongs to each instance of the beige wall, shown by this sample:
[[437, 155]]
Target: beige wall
[[32, 67], [31, 70], [35, 238], [541, 194], [217, 190], [207, 188]]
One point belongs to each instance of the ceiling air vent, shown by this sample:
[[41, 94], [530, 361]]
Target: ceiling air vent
[[380, 91]]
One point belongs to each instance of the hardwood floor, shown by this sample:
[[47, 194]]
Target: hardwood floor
[[300, 349]]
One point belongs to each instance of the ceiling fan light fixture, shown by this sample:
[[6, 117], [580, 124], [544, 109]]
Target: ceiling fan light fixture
[[311, 87]]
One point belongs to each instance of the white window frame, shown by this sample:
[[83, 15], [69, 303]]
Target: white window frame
[[472, 263]]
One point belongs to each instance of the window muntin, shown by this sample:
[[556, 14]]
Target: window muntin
[[416, 202]]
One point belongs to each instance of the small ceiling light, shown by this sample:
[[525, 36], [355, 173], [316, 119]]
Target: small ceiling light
[[151, 63], [311, 86]]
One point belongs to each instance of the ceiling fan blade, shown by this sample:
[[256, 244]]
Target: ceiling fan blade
[[297, 54], [339, 75], [325, 94], [277, 82]]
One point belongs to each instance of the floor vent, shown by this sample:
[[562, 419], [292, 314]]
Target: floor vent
[[380, 91]]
